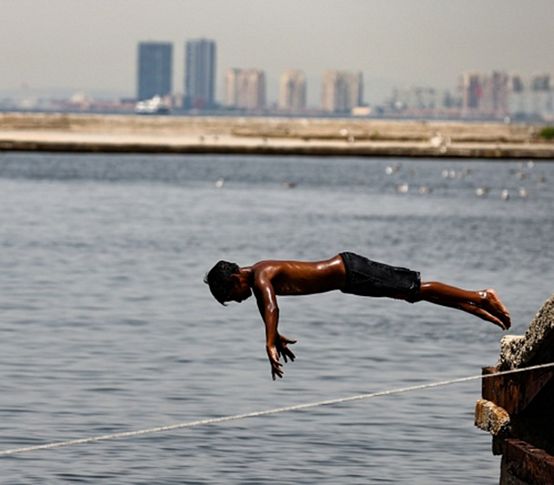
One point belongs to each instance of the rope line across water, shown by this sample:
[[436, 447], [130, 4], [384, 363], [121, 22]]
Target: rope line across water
[[236, 417]]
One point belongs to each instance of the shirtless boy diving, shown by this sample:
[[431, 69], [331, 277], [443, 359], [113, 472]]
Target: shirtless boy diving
[[347, 272]]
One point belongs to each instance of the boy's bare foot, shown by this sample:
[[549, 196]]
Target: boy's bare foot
[[496, 307]]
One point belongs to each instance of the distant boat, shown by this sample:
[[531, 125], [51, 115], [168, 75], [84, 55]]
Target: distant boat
[[153, 106]]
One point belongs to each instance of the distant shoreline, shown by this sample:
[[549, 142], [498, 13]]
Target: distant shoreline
[[84, 133]]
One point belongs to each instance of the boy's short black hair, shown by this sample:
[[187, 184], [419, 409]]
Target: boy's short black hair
[[219, 280]]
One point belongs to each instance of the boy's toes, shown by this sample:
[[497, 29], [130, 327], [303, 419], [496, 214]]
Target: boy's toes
[[497, 305]]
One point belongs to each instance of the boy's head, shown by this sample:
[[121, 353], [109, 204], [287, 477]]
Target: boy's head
[[226, 284]]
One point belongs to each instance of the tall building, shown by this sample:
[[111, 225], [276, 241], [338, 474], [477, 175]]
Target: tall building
[[542, 92], [499, 85], [517, 100], [341, 91], [531, 97], [154, 74], [231, 81], [245, 89], [471, 86], [292, 91], [485, 95], [200, 73]]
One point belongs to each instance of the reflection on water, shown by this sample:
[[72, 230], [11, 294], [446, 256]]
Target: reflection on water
[[107, 326]]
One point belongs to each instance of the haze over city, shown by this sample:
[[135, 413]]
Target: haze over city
[[68, 45]]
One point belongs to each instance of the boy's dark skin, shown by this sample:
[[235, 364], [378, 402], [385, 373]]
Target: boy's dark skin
[[267, 279]]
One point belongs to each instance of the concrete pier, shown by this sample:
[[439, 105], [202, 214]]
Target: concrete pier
[[269, 136]]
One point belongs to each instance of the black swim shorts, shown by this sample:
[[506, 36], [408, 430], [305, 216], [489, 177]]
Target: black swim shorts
[[370, 278]]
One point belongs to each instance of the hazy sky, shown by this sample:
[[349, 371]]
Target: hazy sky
[[91, 45]]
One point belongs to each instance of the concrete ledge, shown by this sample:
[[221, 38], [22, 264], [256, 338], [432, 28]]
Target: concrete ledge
[[536, 345], [276, 148]]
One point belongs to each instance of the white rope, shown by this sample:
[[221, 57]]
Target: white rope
[[296, 407]]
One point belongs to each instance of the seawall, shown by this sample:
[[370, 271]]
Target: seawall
[[269, 136]]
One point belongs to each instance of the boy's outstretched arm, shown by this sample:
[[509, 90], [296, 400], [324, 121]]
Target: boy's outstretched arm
[[275, 344]]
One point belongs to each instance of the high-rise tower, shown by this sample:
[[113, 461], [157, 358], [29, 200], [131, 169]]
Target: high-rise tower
[[154, 73], [200, 73], [245, 89], [341, 91], [485, 95], [292, 91]]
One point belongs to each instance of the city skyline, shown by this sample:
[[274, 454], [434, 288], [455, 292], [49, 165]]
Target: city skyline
[[400, 44], [479, 94], [496, 94]]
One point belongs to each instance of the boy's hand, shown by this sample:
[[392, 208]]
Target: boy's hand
[[273, 356], [282, 348], [274, 352]]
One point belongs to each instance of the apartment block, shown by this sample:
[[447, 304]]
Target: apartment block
[[292, 91], [341, 91], [245, 89]]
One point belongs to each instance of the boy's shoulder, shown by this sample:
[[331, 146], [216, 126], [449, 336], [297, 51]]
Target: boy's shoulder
[[267, 268]]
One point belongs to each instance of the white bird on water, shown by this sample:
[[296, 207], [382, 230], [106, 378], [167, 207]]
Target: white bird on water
[[403, 188], [392, 169], [481, 191], [523, 192]]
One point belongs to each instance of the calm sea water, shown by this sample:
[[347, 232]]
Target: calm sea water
[[106, 325]]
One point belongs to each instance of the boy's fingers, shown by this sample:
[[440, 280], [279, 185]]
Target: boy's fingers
[[276, 372]]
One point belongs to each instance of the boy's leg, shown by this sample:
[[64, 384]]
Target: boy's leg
[[484, 304]]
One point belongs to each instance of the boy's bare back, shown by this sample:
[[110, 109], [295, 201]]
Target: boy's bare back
[[300, 277]]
